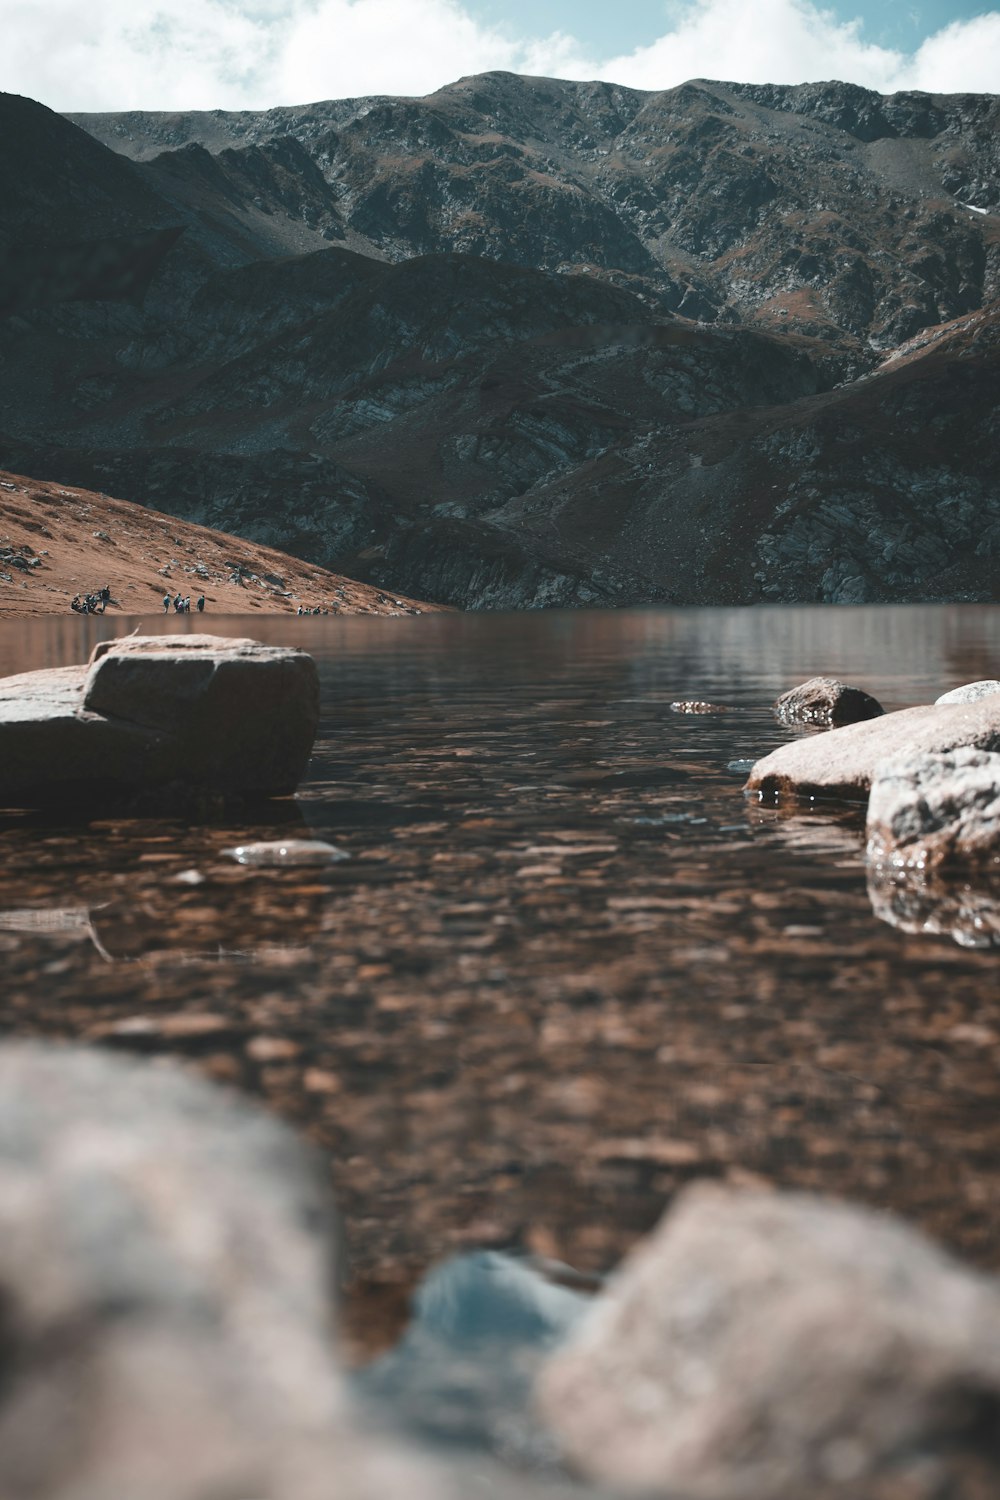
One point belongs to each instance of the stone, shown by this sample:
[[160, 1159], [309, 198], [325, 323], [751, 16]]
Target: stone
[[824, 700], [927, 811], [768, 1346], [287, 852], [842, 762], [166, 1265], [172, 715], [971, 692], [698, 706]]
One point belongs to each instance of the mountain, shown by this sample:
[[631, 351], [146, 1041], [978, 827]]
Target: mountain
[[58, 542], [834, 208], [527, 342]]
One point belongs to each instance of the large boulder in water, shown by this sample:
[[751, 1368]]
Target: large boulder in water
[[842, 762], [927, 811], [165, 714], [768, 1346]]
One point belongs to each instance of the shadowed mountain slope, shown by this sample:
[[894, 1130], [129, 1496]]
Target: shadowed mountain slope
[[527, 342], [827, 205]]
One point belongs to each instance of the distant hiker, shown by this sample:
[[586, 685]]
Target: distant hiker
[[178, 604], [300, 610], [166, 603], [187, 605], [105, 594], [201, 604]]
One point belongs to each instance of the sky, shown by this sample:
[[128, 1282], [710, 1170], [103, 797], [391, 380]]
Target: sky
[[253, 54]]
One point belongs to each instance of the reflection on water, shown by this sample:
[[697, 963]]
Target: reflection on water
[[968, 911], [566, 968]]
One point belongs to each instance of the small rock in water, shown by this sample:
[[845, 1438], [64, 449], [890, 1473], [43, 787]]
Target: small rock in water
[[287, 852], [740, 767], [696, 706], [824, 700], [189, 877], [971, 692]]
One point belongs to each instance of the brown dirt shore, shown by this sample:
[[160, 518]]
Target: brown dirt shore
[[57, 541]]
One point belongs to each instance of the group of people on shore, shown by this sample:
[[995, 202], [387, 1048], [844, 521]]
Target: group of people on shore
[[97, 602], [92, 604]]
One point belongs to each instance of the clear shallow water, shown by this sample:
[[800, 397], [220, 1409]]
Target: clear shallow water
[[566, 969]]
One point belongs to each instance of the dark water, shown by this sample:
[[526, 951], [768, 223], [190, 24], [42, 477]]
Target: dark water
[[566, 969]]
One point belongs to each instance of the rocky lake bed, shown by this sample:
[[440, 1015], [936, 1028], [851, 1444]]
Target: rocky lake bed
[[528, 966]]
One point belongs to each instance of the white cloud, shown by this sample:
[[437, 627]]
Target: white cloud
[[200, 54], [963, 58], [794, 41]]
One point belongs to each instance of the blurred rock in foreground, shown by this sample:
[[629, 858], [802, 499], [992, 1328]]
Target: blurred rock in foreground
[[166, 1272], [167, 1266], [776, 1346]]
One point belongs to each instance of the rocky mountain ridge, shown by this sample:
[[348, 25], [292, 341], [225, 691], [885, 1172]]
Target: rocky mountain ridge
[[825, 204], [528, 342]]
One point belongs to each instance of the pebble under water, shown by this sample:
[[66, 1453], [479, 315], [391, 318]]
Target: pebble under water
[[562, 968]]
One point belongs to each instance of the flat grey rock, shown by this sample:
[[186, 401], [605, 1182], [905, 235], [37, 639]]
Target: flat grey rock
[[842, 762], [971, 692], [772, 1346], [196, 714]]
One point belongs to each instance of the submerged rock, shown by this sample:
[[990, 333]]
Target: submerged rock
[[696, 706], [287, 852], [170, 715], [971, 692], [930, 810], [778, 1345], [824, 700], [842, 762]]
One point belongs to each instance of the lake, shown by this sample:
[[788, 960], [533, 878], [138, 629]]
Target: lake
[[567, 967]]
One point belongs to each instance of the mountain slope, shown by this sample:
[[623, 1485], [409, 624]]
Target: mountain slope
[[57, 542], [444, 344], [826, 205]]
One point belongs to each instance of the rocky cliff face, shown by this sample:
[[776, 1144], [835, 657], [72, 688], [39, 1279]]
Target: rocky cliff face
[[528, 342], [825, 205]]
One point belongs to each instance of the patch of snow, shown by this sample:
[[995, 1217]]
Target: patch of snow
[[974, 210]]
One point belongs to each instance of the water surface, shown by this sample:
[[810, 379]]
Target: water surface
[[567, 967]]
